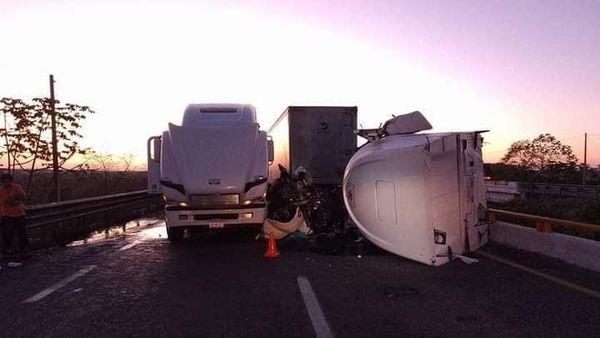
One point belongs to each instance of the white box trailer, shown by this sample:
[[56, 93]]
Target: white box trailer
[[212, 170], [420, 196]]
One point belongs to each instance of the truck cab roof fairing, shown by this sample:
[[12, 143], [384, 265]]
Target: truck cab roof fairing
[[219, 114]]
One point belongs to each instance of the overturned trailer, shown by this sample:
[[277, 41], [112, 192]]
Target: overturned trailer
[[420, 196]]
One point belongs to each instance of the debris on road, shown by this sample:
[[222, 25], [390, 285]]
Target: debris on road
[[467, 260], [311, 217], [283, 229], [321, 205]]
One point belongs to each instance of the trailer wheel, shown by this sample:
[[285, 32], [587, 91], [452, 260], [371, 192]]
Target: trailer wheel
[[175, 234]]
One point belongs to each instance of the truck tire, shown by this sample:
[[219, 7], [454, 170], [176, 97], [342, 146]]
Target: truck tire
[[175, 235]]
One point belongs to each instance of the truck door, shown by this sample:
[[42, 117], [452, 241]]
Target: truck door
[[153, 158]]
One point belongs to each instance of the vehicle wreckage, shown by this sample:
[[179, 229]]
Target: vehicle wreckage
[[418, 195]]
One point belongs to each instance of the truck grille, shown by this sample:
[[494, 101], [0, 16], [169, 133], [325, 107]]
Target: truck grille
[[214, 199], [215, 216]]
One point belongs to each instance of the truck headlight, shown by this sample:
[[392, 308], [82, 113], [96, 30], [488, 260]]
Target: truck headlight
[[247, 215]]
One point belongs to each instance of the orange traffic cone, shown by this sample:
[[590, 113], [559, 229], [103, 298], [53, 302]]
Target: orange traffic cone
[[272, 247]]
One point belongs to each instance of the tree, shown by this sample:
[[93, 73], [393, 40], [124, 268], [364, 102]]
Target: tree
[[542, 153], [112, 169], [27, 134], [13, 110]]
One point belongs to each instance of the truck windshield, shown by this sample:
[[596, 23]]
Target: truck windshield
[[218, 110]]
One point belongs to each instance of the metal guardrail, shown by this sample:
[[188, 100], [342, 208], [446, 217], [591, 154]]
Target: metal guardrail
[[567, 190], [64, 221], [46, 214], [541, 223]]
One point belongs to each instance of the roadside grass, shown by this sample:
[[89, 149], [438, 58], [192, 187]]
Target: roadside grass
[[81, 184]]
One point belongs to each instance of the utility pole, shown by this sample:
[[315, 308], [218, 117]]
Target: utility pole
[[54, 141], [7, 147], [584, 159]]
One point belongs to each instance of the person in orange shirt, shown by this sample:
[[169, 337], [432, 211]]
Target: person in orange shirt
[[12, 211]]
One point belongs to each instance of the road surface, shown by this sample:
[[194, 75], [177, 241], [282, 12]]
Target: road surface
[[138, 284]]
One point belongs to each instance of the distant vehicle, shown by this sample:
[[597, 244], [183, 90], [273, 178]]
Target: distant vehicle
[[320, 140], [212, 170], [420, 196]]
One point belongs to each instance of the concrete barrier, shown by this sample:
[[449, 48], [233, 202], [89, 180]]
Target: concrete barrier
[[582, 252]]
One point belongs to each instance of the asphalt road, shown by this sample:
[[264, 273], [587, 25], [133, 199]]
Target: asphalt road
[[137, 284]]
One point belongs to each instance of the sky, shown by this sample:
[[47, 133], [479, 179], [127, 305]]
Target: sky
[[517, 68]]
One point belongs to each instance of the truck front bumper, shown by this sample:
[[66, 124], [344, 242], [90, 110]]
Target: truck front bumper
[[189, 216]]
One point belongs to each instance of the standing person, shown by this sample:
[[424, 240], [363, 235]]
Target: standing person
[[12, 211]]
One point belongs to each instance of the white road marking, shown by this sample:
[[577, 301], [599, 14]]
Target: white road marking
[[315, 313], [59, 285], [129, 246]]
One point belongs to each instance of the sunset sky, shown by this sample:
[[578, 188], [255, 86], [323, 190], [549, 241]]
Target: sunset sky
[[518, 68]]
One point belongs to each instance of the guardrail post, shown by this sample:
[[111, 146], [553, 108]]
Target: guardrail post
[[543, 226]]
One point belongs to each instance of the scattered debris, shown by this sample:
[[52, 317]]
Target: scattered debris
[[322, 205], [403, 124], [311, 217], [466, 259], [283, 229], [283, 198], [399, 291]]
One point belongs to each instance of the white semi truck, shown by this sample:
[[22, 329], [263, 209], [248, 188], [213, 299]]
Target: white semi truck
[[212, 170]]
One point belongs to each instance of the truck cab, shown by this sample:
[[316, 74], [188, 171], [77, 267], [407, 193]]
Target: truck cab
[[212, 169]]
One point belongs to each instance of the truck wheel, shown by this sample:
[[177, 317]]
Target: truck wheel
[[175, 234]]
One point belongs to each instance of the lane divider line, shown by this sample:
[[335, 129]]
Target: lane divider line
[[129, 246], [62, 283], [560, 281], [313, 307]]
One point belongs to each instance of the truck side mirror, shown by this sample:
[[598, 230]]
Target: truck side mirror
[[154, 144], [270, 150]]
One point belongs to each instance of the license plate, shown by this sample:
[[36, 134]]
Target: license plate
[[215, 225]]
